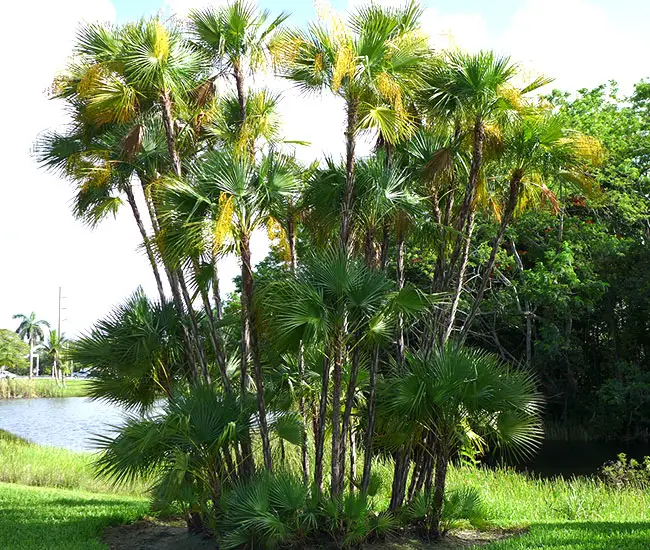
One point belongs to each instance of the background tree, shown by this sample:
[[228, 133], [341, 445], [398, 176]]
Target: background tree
[[13, 352], [31, 331]]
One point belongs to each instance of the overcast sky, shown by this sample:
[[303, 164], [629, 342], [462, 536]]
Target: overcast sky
[[581, 43]]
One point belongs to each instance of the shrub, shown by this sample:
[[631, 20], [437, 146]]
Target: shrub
[[625, 472]]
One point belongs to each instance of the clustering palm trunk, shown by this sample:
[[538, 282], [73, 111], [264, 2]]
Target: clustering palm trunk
[[511, 205], [250, 344], [146, 241], [466, 226], [348, 192]]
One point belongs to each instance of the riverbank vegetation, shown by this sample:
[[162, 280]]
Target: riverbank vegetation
[[24, 388], [415, 300]]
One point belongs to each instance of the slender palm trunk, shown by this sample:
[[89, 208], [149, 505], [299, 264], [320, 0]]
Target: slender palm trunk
[[320, 432], [304, 450], [168, 122], [249, 318], [348, 193], [241, 91], [401, 348], [466, 223], [179, 290], [215, 337], [370, 429], [145, 240], [515, 183], [337, 383], [347, 412], [442, 461], [216, 294]]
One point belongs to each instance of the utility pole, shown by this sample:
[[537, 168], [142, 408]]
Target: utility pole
[[58, 326]]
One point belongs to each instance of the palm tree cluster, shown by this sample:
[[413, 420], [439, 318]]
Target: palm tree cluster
[[53, 347], [334, 356]]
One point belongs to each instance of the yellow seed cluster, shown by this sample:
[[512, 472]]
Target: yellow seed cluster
[[278, 236], [345, 66], [224, 221], [589, 148], [512, 95], [89, 82], [390, 90], [319, 63], [160, 42]]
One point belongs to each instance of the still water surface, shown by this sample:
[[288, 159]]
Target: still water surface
[[67, 422], [71, 422]]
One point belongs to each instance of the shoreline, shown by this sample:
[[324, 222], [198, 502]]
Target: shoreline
[[35, 388]]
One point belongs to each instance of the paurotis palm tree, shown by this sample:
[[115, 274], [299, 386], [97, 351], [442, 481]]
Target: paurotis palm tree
[[374, 63], [231, 196], [136, 354], [31, 331], [539, 153], [55, 348], [235, 37], [477, 93], [458, 396]]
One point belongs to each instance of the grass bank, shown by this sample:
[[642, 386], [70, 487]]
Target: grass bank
[[30, 464], [24, 388]]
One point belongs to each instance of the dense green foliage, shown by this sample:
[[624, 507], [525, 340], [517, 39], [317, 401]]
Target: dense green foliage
[[575, 285], [13, 352]]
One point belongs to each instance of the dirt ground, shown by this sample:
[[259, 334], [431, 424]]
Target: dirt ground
[[154, 535]]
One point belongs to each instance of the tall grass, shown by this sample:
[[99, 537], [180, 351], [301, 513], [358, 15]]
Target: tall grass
[[30, 464], [24, 388]]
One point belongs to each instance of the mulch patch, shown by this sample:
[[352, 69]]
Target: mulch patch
[[151, 534]]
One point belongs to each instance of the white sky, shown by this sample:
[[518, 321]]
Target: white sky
[[42, 246]]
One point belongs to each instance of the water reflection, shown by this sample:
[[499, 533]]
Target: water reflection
[[67, 422]]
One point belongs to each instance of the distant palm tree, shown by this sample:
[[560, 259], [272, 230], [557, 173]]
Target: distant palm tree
[[54, 348], [31, 331]]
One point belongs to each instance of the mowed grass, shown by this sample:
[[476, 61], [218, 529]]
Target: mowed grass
[[37, 518], [30, 464], [24, 388]]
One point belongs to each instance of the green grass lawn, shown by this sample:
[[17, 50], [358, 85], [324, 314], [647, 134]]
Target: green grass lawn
[[36, 518], [578, 514], [24, 388]]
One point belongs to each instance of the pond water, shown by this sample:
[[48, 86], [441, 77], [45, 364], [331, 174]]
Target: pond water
[[71, 422], [67, 422]]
